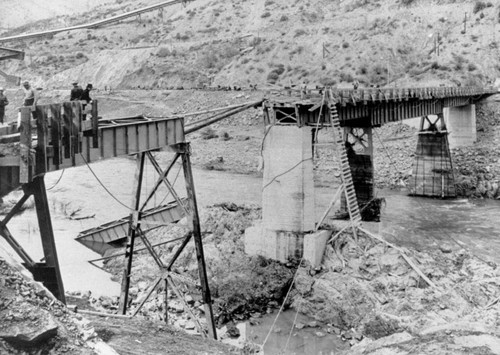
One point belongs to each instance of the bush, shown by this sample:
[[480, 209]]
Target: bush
[[407, 2], [163, 52], [208, 133], [300, 32], [80, 55], [273, 76], [284, 18], [265, 14], [345, 45], [481, 5], [471, 67]]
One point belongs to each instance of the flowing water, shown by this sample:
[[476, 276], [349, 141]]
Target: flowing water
[[419, 223]]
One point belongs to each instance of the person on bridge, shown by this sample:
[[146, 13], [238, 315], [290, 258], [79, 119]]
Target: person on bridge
[[86, 93], [29, 94], [3, 102], [76, 92]]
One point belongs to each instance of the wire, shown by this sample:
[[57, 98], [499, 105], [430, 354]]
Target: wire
[[291, 330], [285, 172], [282, 305], [104, 187], [60, 177]]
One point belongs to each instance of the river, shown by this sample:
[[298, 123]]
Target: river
[[420, 223]]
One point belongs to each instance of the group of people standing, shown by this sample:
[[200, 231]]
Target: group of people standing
[[77, 93]]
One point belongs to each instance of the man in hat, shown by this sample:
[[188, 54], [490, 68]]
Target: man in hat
[[29, 94], [76, 92], [86, 93], [3, 102]]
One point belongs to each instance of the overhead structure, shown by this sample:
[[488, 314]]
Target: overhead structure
[[96, 24], [8, 53]]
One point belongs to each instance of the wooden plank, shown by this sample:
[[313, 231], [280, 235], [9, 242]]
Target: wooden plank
[[95, 125], [25, 146], [46, 232], [76, 128], [67, 124], [55, 126], [42, 140], [195, 219]]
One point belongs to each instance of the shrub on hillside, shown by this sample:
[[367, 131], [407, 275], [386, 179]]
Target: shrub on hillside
[[481, 5], [163, 52], [300, 32], [407, 2]]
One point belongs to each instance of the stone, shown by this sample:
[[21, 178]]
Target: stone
[[233, 331], [320, 334], [312, 324], [299, 325], [189, 325], [30, 334]]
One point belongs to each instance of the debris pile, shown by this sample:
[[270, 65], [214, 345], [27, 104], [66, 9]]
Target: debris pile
[[34, 322], [241, 286], [367, 289]]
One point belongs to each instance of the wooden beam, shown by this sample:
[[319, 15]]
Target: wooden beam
[[37, 188], [206, 297], [25, 146], [129, 249]]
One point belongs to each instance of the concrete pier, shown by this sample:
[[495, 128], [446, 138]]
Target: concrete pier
[[287, 194]]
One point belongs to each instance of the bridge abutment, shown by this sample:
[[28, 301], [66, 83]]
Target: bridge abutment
[[461, 123]]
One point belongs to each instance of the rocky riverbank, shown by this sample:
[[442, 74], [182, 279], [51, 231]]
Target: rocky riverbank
[[369, 291]]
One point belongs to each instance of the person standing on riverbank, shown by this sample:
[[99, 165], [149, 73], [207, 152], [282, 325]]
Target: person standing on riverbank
[[3, 102]]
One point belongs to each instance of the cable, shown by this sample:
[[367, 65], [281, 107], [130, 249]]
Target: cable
[[60, 177], [291, 330], [285, 172], [104, 187], [282, 305]]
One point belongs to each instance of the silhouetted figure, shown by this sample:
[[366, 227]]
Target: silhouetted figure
[[3, 102], [76, 92], [86, 93]]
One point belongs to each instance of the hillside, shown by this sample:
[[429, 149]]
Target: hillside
[[215, 42]]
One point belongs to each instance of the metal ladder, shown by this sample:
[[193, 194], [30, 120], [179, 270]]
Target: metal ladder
[[350, 193]]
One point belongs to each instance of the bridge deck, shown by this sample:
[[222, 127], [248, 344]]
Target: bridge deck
[[64, 139], [370, 107]]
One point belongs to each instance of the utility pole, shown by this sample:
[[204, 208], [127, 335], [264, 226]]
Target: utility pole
[[465, 23]]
